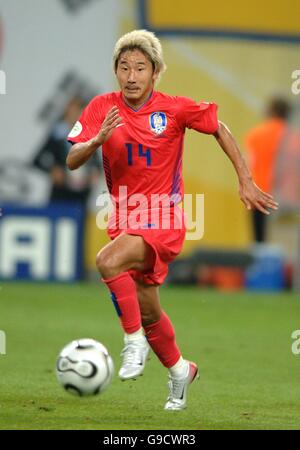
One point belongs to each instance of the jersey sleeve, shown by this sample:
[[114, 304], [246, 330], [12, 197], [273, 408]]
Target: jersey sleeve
[[88, 124], [200, 116]]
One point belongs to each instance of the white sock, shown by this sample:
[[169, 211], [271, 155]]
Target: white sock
[[180, 369], [134, 336]]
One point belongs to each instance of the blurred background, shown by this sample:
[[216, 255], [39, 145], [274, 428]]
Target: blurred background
[[56, 55]]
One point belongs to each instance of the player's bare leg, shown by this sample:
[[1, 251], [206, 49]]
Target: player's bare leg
[[149, 301], [161, 337], [113, 262], [124, 253]]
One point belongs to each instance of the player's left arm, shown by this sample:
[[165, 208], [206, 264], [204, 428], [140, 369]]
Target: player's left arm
[[250, 194]]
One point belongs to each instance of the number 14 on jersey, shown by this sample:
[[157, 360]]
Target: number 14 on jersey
[[140, 153]]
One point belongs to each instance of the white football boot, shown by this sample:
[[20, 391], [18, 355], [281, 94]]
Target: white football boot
[[178, 388], [135, 354]]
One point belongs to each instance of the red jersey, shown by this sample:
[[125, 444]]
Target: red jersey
[[144, 153]]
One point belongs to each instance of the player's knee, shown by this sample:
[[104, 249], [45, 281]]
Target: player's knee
[[107, 264], [149, 317]]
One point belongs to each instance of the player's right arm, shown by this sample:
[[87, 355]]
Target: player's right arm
[[82, 151]]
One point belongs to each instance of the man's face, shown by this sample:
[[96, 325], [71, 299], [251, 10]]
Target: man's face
[[136, 76]]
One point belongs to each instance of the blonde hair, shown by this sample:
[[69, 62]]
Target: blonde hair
[[147, 43]]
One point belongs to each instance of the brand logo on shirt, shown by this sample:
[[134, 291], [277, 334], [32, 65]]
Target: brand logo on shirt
[[158, 122], [76, 130]]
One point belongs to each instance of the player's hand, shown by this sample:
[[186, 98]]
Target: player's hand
[[255, 198], [111, 121]]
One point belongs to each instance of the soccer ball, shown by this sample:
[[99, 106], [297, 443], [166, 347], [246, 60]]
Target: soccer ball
[[84, 367]]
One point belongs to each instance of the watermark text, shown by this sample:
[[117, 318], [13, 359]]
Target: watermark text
[[296, 344], [296, 84], [156, 211], [2, 82], [2, 343]]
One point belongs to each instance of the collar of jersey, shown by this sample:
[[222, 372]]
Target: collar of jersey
[[136, 110]]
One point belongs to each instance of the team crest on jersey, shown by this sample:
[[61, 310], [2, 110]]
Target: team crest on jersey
[[158, 122]]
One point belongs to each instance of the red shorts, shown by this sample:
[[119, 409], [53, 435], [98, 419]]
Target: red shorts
[[163, 230]]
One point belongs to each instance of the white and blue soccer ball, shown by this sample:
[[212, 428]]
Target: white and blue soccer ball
[[84, 367]]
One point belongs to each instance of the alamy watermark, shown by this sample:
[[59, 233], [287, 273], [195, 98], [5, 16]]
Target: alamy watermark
[[2, 82], [155, 211], [295, 88], [296, 344], [2, 343]]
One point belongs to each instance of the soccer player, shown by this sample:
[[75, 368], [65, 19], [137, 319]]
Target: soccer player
[[141, 132]]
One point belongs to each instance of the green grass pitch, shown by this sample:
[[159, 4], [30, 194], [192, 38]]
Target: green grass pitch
[[250, 379]]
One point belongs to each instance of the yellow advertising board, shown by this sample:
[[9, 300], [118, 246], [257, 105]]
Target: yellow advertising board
[[274, 19]]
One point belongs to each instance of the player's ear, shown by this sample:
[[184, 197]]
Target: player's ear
[[155, 75]]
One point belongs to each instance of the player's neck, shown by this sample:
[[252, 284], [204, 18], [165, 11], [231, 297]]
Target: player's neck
[[136, 104]]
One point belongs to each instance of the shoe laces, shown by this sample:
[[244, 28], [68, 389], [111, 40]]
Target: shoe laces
[[131, 354]]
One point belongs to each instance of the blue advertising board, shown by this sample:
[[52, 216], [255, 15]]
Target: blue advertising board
[[41, 244]]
